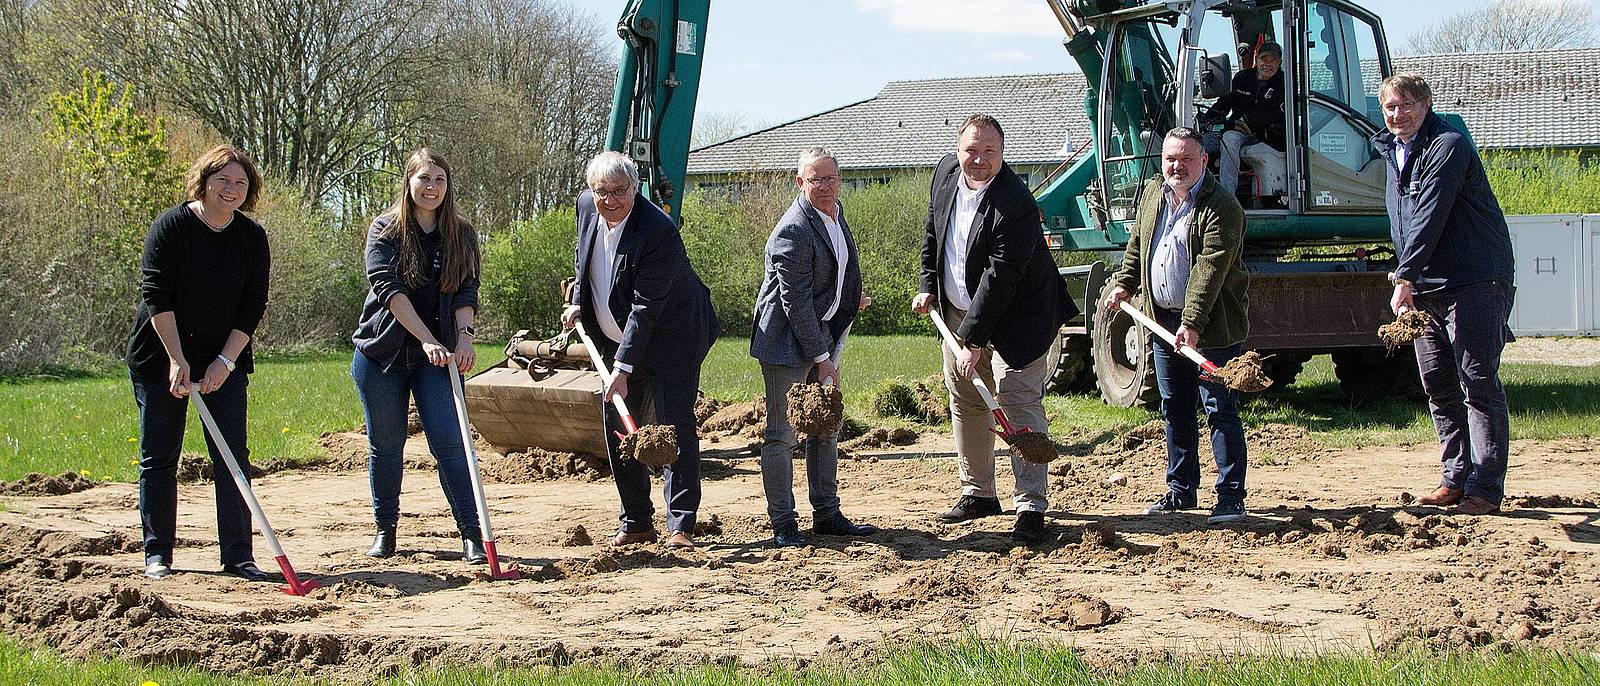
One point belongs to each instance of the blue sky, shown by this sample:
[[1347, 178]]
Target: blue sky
[[769, 62]]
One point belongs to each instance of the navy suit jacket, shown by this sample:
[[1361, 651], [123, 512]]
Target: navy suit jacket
[[802, 272], [664, 309], [1019, 300]]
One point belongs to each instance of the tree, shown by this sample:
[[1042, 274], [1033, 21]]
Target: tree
[[1507, 25], [716, 126]]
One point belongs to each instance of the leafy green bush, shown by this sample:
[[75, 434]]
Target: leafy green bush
[[1543, 182], [522, 272], [318, 273]]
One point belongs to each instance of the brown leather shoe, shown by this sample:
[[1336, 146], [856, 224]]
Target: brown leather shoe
[[1444, 496], [679, 539], [625, 538], [1474, 505]]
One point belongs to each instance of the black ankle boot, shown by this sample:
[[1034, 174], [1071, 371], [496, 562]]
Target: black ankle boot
[[382, 543], [472, 551]]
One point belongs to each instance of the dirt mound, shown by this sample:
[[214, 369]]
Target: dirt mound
[[1034, 447], [704, 407], [1245, 373], [346, 451], [36, 484], [1076, 611], [24, 541], [745, 420], [815, 409], [1558, 501], [654, 445], [534, 464], [354, 590], [925, 401], [575, 537], [1409, 326], [880, 437]]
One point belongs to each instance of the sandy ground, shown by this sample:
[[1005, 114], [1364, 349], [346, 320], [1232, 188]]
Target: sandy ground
[[1330, 559], [1572, 352]]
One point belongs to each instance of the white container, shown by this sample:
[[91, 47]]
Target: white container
[[1555, 256]]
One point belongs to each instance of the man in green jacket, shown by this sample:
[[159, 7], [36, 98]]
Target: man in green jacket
[[1185, 256]]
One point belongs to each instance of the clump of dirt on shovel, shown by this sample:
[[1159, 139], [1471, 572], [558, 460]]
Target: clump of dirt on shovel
[[653, 446], [1407, 327], [815, 409], [1245, 373], [1033, 446]]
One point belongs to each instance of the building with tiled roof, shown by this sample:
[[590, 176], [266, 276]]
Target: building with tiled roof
[[1546, 99]]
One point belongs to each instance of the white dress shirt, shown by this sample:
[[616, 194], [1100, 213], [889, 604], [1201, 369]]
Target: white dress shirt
[[601, 258], [841, 253], [956, 240], [1169, 263]]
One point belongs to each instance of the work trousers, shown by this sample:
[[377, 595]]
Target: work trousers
[[1459, 359], [1020, 392], [161, 425]]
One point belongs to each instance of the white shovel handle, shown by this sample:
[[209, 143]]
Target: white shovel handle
[[950, 343], [471, 449], [1167, 336], [239, 479], [605, 374]]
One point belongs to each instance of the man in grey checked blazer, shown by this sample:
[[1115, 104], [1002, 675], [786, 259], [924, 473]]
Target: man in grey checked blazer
[[809, 295]]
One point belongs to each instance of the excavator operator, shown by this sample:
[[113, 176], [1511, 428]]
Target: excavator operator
[[1252, 112]]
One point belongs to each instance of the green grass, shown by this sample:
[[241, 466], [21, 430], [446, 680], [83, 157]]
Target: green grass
[[77, 421], [973, 661]]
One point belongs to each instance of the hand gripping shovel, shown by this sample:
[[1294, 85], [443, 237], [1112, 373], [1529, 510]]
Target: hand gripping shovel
[[296, 585], [511, 571], [1208, 370], [1006, 431], [605, 381]]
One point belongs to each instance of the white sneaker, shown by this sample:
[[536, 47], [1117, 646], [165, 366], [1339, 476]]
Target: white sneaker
[[157, 570]]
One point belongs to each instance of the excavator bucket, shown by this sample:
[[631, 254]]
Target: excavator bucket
[[544, 394]]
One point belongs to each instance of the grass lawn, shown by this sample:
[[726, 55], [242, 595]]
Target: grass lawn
[[86, 421], [974, 661]]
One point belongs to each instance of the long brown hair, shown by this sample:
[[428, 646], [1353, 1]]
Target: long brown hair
[[457, 239]]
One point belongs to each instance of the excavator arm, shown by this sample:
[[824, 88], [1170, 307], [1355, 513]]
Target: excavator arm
[[658, 82]]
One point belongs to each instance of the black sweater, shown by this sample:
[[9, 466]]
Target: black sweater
[[212, 281]]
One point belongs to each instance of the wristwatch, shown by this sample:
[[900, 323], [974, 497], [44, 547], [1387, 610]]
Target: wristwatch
[[468, 330], [226, 362]]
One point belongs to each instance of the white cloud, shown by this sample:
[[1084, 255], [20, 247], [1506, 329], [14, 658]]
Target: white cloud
[[1008, 56], [1009, 17]]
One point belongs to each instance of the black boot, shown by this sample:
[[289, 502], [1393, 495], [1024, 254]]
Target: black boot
[[382, 542], [472, 547]]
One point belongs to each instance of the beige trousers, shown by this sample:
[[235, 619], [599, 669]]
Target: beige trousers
[[1020, 392]]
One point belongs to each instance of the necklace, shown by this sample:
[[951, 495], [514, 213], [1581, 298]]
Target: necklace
[[214, 227]]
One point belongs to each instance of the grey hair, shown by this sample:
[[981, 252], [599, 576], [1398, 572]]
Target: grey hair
[[1407, 85], [812, 154], [611, 165]]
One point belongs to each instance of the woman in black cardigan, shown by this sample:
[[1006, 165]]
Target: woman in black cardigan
[[203, 293]]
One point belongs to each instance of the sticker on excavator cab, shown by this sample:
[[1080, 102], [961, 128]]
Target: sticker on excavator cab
[[688, 33], [1333, 143], [1326, 199]]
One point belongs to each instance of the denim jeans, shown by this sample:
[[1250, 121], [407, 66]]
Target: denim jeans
[[778, 447], [161, 426], [384, 398], [1459, 359], [656, 400], [1181, 390]]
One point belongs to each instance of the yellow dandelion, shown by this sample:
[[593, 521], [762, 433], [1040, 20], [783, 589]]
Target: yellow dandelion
[[84, 472], [286, 429], [149, 683], [132, 439]]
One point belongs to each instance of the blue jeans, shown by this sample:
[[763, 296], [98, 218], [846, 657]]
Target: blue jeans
[[777, 453], [161, 425], [384, 398], [1181, 390], [1459, 358]]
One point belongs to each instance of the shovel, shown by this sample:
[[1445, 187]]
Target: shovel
[[511, 571], [296, 585], [1007, 432], [1208, 369], [605, 381]]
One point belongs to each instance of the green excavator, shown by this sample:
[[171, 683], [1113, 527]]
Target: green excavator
[[1316, 234]]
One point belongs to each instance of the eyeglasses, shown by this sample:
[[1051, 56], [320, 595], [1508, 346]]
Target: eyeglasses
[[611, 193], [1402, 107], [823, 180]]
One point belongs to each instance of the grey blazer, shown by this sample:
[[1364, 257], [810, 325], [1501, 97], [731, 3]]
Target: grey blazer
[[797, 290]]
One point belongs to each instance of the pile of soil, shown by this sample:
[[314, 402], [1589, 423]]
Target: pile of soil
[[1407, 327], [933, 400], [1076, 611], [354, 590], [815, 409], [744, 420], [925, 401], [1245, 373], [880, 437], [1033, 446], [704, 407], [654, 445], [576, 537], [43, 484], [347, 451], [534, 464]]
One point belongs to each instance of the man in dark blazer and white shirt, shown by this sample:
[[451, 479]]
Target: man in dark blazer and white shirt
[[643, 305], [986, 266], [809, 295]]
